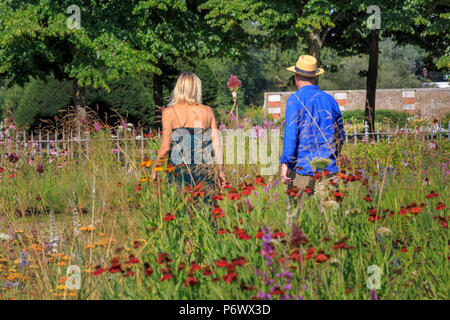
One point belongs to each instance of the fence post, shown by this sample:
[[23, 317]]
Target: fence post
[[378, 132], [389, 131], [415, 133], [366, 132], [142, 144], [71, 144], [32, 142], [117, 145], [40, 142]]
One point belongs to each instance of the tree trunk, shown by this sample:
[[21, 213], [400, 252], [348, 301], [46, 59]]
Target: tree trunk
[[372, 75], [158, 95], [79, 101], [315, 44]]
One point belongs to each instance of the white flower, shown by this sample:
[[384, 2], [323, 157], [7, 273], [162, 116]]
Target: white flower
[[4, 236], [352, 211], [384, 231]]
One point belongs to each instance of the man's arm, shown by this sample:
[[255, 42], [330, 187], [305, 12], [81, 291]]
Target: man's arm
[[290, 132], [339, 125]]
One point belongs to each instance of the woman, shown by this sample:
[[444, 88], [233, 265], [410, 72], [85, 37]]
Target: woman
[[190, 135]]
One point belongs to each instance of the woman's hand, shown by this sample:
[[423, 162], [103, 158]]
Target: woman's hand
[[222, 178], [153, 175], [285, 174]]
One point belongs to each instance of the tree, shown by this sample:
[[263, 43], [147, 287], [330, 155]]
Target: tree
[[283, 22], [177, 31], [359, 32], [95, 45]]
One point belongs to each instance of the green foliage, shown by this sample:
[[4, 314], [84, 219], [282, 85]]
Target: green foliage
[[35, 41], [382, 116], [42, 99], [129, 97]]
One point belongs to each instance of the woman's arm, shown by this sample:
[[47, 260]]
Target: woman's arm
[[165, 140], [217, 147]]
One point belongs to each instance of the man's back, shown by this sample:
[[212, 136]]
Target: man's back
[[313, 129]]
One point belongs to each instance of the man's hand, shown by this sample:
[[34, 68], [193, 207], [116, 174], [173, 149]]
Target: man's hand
[[285, 174]]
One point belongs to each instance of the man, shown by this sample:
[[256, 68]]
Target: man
[[313, 129]]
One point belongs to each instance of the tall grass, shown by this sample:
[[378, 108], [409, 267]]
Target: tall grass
[[133, 238]]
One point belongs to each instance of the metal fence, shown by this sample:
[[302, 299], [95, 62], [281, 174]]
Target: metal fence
[[75, 144]]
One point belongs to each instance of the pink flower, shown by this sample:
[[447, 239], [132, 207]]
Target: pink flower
[[234, 83]]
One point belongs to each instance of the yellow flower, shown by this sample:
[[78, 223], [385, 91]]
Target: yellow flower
[[90, 246], [157, 169], [61, 264], [19, 231]]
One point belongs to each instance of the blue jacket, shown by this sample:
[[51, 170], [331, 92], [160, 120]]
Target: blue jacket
[[313, 128]]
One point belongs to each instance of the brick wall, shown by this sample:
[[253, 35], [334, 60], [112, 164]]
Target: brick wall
[[424, 103]]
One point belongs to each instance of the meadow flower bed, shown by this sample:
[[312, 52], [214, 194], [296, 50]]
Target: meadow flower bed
[[137, 239]]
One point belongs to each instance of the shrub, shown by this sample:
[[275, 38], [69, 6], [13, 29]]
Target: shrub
[[381, 116], [42, 100]]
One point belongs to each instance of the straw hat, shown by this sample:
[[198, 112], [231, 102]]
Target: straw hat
[[306, 66]]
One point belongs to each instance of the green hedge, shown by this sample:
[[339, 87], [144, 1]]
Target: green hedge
[[381, 116]]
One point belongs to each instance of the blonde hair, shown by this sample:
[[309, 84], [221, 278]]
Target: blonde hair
[[188, 89]]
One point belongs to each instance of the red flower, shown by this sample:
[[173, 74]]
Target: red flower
[[338, 194], [308, 190], [233, 196], [368, 199], [277, 234], [321, 257], [169, 217], [415, 210], [136, 244], [217, 197], [222, 231], [194, 267], [239, 261], [132, 260], [293, 192], [276, 291], [207, 272], [217, 210], [342, 244], [259, 235], [117, 267], [310, 253], [163, 258], [260, 181], [440, 206], [166, 276], [98, 270], [402, 211], [432, 195], [244, 236], [230, 277], [130, 273], [139, 187], [404, 249], [148, 271], [443, 221], [222, 263], [191, 281]]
